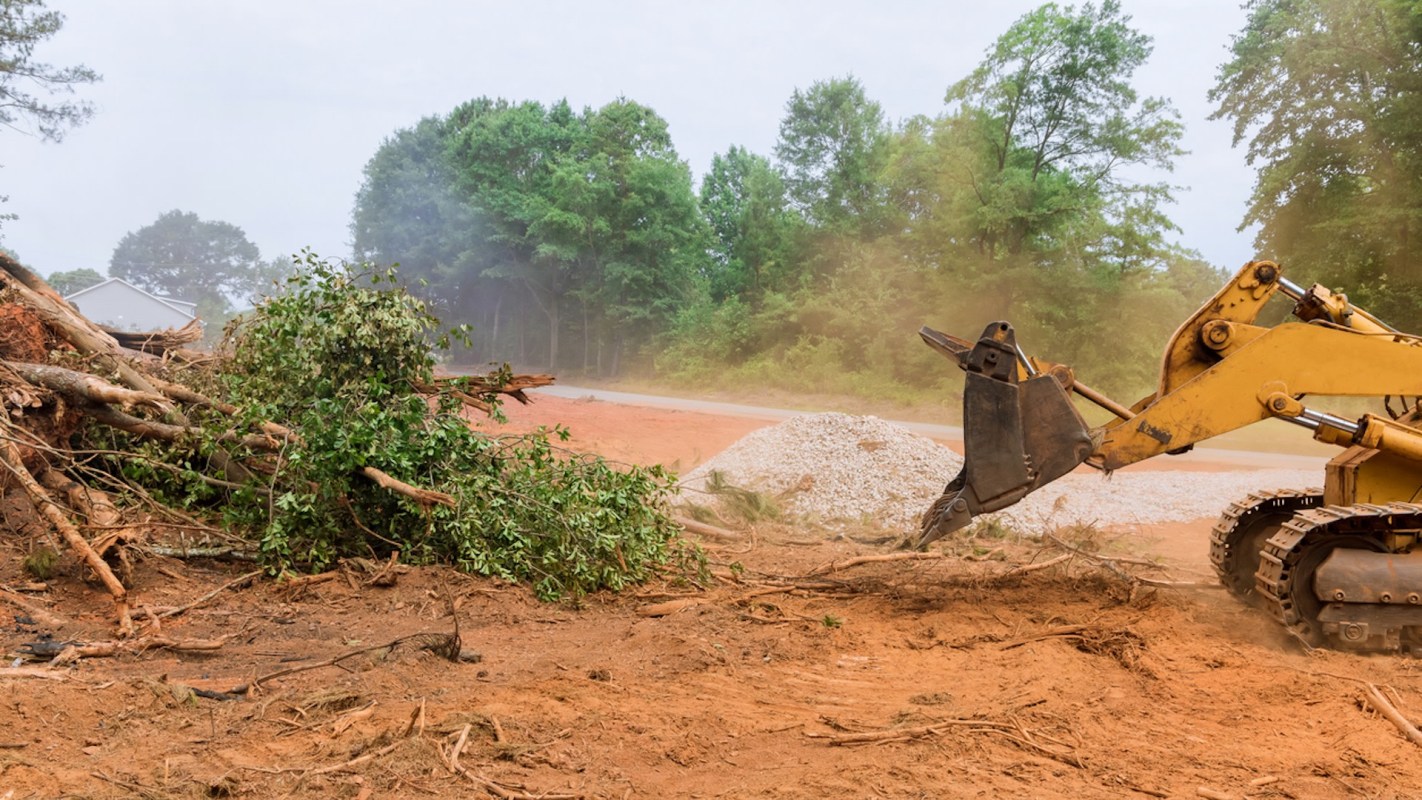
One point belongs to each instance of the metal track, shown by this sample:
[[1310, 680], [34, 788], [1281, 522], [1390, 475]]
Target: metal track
[[1241, 519], [1288, 559]]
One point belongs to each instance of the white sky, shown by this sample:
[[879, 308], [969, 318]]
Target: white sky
[[262, 113]]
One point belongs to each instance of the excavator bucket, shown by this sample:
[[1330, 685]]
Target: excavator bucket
[[1020, 430]]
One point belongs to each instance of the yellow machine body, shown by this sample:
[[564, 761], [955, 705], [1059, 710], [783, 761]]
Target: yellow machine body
[[1221, 371]]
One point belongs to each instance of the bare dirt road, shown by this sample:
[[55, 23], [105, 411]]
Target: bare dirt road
[[788, 676]]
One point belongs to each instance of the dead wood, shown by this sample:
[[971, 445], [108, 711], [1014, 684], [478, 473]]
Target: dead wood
[[84, 388], [838, 566], [217, 553], [173, 612], [43, 673], [425, 497], [1391, 714], [32, 610], [444, 645], [152, 429], [184, 394], [709, 531], [83, 335], [1061, 630], [669, 607], [513, 386], [80, 650], [137, 788], [1013, 731], [901, 734], [57, 518], [682, 603], [1024, 569], [501, 790], [101, 513], [157, 342]]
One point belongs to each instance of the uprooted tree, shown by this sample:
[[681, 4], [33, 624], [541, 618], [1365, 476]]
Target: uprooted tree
[[319, 431]]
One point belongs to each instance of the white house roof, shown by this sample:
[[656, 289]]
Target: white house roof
[[180, 306]]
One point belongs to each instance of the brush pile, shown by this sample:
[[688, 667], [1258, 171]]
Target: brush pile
[[111, 447]]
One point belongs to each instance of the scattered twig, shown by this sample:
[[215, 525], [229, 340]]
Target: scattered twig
[[428, 639], [1390, 712], [900, 734], [838, 566], [709, 531], [387, 749], [1061, 630], [1113, 564], [173, 612], [140, 789], [1013, 731], [1023, 569], [40, 497], [76, 651], [32, 672], [216, 553], [39, 615]]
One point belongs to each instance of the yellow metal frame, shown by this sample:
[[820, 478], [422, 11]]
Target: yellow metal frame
[[1294, 358]]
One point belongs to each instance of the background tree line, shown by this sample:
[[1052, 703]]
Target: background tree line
[[813, 266], [577, 239]]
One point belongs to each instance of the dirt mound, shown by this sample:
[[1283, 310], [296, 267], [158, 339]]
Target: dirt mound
[[836, 468]]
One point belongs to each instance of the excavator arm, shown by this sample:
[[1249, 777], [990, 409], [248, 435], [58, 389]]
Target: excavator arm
[[1220, 372]]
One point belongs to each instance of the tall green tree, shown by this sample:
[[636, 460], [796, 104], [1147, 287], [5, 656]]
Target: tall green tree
[[413, 209], [624, 218], [519, 211], [833, 144], [210, 263], [1328, 94], [505, 156], [28, 88], [1055, 122], [410, 211], [743, 199]]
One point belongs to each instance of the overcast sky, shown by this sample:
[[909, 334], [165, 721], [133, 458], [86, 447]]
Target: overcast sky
[[262, 113]]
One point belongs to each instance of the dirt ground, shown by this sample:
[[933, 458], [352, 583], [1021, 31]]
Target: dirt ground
[[787, 678]]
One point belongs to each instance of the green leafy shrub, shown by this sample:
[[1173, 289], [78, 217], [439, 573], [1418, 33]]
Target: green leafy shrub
[[343, 358]]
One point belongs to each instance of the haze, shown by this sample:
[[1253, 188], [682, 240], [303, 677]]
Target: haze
[[262, 114]]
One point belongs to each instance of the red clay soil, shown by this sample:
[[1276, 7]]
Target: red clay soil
[[1051, 684]]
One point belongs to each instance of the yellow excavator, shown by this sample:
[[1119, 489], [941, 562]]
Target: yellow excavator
[[1338, 566]]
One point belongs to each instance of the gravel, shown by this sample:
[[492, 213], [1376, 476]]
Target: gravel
[[838, 470]]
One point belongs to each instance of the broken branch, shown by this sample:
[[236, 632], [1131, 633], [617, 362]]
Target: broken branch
[[1390, 712]]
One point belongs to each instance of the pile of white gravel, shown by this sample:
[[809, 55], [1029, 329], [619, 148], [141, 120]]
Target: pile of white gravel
[[836, 468]]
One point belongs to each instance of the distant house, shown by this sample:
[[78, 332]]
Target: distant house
[[120, 305]]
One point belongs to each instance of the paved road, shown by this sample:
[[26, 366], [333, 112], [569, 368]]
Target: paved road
[[1199, 456]]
